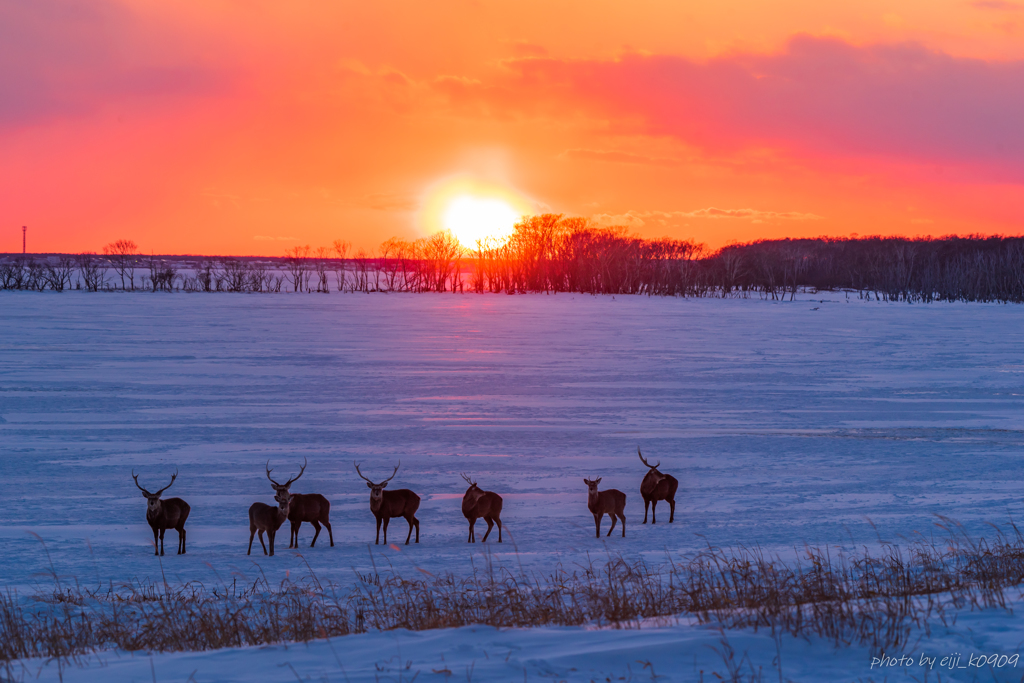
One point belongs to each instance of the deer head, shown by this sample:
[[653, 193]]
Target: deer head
[[592, 485], [279, 488], [653, 468], [284, 500], [472, 484], [153, 499], [377, 490]]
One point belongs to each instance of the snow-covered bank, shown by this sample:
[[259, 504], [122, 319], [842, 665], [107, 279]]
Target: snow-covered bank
[[654, 651]]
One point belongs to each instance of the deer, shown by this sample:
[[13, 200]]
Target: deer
[[165, 514], [387, 504], [609, 502], [304, 507], [657, 486], [479, 503], [263, 517]]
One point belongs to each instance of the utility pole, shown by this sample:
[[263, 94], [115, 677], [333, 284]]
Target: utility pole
[[24, 229]]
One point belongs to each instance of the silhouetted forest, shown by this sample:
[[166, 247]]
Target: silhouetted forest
[[554, 253]]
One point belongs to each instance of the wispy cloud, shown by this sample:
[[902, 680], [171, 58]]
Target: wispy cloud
[[618, 157], [640, 218], [817, 98], [999, 5]]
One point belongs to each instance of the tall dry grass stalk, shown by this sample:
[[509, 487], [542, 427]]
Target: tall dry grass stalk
[[875, 600]]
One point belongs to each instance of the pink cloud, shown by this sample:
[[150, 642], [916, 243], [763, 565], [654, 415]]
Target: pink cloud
[[818, 97], [60, 58]]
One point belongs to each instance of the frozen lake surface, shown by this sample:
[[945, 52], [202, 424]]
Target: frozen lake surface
[[823, 422]]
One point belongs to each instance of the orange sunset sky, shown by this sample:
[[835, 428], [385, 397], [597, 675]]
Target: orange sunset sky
[[249, 127]]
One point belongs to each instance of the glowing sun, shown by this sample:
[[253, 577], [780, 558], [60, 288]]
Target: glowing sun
[[472, 219], [473, 210]]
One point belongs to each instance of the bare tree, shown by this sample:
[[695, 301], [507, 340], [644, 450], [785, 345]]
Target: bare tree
[[298, 267], [341, 251], [123, 255], [321, 262], [93, 274], [58, 273]]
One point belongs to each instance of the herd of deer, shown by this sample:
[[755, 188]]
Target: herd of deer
[[172, 513]]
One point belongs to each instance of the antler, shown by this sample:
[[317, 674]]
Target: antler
[[269, 477], [468, 480], [173, 477], [358, 472], [136, 478], [653, 467], [304, 463], [288, 483], [383, 482]]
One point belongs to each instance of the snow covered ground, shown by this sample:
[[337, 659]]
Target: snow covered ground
[[821, 421]]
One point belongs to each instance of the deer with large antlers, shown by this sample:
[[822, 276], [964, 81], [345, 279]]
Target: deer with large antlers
[[657, 486], [263, 517], [303, 507], [387, 504], [611, 502], [164, 514], [478, 503]]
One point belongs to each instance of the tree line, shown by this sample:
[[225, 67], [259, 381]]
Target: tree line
[[553, 253]]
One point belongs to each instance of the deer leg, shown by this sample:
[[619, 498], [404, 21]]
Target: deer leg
[[646, 503], [260, 534], [270, 536], [597, 523], [156, 541], [654, 511], [417, 523], [252, 532], [387, 520], [409, 519], [490, 525], [612, 528], [672, 510], [498, 521], [316, 525], [472, 523], [330, 533], [623, 518], [181, 541], [162, 532], [377, 542]]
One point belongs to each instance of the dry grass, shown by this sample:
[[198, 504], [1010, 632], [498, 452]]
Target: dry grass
[[875, 600]]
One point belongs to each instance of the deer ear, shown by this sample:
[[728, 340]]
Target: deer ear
[[369, 485], [384, 485], [599, 480]]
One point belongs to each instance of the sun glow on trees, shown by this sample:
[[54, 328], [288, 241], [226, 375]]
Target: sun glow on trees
[[475, 219], [473, 210]]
